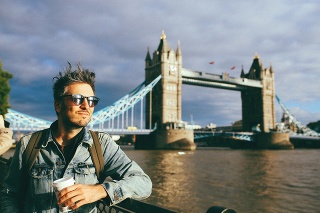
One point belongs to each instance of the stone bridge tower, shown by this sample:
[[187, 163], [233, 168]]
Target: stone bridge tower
[[166, 96], [258, 107], [163, 106]]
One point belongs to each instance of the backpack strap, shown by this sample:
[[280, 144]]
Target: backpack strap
[[96, 154], [33, 148], [28, 158]]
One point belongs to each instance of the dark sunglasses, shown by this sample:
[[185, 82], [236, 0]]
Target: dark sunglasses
[[78, 99]]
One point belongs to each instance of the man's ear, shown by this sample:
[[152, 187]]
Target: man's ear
[[57, 106]]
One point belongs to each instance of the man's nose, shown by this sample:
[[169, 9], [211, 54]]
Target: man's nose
[[85, 104]]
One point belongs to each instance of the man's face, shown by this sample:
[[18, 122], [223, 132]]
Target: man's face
[[72, 115]]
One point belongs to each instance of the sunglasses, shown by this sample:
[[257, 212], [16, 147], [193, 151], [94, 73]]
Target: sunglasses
[[78, 99]]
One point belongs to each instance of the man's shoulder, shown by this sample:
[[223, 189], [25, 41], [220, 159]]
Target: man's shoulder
[[105, 138], [26, 138]]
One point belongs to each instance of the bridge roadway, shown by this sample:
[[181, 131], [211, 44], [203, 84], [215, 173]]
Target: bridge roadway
[[109, 131], [125, 131], [299, 141], [223, 81], [197, 133]]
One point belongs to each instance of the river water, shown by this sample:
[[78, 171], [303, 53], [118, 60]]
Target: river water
[[248, 181]]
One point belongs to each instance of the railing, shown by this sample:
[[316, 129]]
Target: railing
[[126, 206], [131, 206], [134, 206]]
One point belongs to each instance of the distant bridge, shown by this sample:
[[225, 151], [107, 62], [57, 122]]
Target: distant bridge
[[116, 119]]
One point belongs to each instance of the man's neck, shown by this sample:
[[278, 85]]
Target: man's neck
[[64, 136]]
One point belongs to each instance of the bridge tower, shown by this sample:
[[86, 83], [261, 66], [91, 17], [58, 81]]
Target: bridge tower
[[163, 106], [258, 108], [166, 97]]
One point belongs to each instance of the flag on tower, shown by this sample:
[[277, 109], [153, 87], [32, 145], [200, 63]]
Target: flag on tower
[[232, 68]]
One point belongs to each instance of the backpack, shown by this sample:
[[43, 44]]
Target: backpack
[[35, 143]]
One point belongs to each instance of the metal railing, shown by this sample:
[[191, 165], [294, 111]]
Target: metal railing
[[134, 206], [127, 206], [131, 206]]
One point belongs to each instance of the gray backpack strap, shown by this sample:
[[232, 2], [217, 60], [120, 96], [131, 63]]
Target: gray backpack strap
[[96, 154]]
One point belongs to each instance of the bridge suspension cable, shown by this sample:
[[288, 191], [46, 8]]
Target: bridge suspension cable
[[302, 128], [122, 105]]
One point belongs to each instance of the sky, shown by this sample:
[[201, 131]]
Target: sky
[[39, 38]]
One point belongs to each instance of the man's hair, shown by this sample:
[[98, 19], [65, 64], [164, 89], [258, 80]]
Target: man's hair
[[79, 75]]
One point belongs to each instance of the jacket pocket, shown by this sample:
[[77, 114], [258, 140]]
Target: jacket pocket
[[41, 179], [85, 173]]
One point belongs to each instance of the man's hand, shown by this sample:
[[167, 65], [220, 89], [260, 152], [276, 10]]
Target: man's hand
[[79, 194]]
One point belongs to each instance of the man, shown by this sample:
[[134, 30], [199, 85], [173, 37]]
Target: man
[[65, 152], [6, 140]]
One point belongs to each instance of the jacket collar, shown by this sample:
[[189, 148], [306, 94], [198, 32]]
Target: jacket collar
[[87, 138]]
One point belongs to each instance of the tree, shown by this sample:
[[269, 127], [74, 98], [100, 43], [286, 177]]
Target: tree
[[4, 90]]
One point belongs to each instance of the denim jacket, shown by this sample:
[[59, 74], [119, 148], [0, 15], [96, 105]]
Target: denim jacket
[[126, 178]]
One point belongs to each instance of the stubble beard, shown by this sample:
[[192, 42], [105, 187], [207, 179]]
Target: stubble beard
[[72, 123]]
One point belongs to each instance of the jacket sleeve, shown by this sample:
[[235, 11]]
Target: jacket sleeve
[[10, 195], [128, 179]]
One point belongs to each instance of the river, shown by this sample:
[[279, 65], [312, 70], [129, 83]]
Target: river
[[248, 181]]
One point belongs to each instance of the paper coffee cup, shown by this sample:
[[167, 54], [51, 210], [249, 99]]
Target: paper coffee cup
[[60, 184]]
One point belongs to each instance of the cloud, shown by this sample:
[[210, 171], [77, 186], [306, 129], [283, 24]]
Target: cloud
[[38, 38]]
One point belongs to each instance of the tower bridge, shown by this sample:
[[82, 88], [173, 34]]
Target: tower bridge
[[159, 100], [164, 107]]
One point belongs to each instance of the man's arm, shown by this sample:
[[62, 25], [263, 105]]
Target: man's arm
[[128, 179], [9, 196], [5, 140], [5, 136]]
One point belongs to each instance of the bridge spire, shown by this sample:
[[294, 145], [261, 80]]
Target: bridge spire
[[163, 36], [148, 60], [163, 46], [178, 52], [271, 68], [242, 73]]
